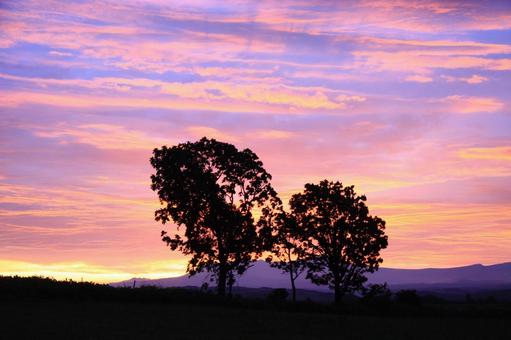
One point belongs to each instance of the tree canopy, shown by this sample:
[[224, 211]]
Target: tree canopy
[[211, 188], [343, 240]]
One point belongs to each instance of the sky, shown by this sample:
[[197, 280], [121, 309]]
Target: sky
[[407, 100]]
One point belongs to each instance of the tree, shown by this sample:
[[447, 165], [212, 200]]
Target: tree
[[343, 240], [286, 244], [211, 188]]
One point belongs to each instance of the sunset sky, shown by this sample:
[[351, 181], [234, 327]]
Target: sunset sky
[[410, 101]]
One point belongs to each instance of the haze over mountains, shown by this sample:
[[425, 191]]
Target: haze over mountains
[[262, 275]]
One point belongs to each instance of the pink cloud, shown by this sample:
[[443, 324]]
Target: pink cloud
[[419, 78], [473, 79], [273, 134], [466, 104], [103, 136], [197, 132], [424, 62]]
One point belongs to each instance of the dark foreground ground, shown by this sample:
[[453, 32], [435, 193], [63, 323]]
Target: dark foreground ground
[[57, 319], [42, 308]]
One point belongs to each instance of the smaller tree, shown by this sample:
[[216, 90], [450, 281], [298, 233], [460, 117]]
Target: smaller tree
[[376, 291], [343, 240], [377, 296], [286, 243]]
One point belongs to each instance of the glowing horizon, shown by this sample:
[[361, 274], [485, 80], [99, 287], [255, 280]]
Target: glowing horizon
[[407, 100]]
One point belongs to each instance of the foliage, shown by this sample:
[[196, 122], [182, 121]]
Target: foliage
[[211, 188], [344, 241]]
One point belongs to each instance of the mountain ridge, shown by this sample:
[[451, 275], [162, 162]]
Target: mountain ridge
[[260, 274]]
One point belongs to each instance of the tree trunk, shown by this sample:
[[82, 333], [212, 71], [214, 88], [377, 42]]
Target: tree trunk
[[222, 278], [292, 277], [293, 288], [338, 294], [222, 265], [229, 284]]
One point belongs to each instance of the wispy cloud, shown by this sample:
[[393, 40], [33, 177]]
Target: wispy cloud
[[467, 104], [473, 79], [103, 136], [418, 78]]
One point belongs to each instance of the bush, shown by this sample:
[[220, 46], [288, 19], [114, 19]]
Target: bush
[[408, 297], [278, 295]]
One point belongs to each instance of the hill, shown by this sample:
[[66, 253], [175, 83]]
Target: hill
[[452, 283]]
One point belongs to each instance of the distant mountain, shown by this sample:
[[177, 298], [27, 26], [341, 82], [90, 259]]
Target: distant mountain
[[477, 274], [262, 275]]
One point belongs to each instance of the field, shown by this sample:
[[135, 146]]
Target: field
[[46, 309], [45, 319]]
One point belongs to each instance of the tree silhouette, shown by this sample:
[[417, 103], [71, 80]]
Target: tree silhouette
[[286, 244], [377, 296], [408, 297], [344, 241], [211, 188]]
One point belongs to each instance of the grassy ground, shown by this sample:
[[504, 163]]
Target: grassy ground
[[46, 319]]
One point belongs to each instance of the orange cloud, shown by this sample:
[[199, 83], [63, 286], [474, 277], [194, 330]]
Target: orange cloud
[[475, 231], [501, 153]]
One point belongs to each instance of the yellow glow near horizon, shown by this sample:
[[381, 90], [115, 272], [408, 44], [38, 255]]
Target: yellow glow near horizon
[[81, 271]]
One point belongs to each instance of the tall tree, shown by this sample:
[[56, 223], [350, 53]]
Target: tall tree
[[287, 244], [211, 188], [344, 241]]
